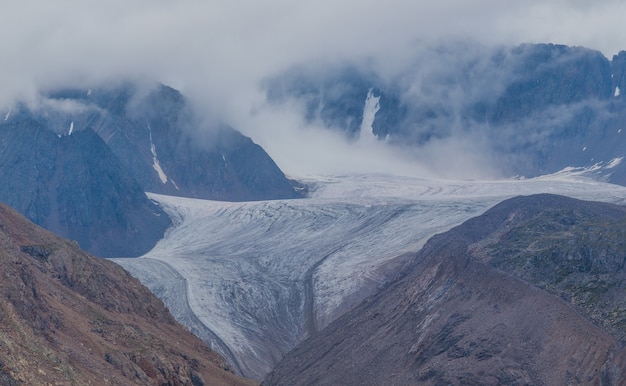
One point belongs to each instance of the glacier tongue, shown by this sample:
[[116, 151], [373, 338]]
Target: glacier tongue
[[255, 278]]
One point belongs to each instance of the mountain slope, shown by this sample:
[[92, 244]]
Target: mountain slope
[[69, 318], [166, 147], [75, 186], [461, 315]]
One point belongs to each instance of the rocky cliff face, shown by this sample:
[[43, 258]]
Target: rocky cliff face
[[528, 293], [75, 186], [69, 318]]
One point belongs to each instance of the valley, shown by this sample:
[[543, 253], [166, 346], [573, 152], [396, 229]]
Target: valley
[[253, 279]]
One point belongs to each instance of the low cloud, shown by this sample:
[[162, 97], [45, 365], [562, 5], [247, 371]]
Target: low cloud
[[217, 53]]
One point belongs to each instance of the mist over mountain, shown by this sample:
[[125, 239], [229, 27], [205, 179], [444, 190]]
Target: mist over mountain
[[530, 109], [164, 145]]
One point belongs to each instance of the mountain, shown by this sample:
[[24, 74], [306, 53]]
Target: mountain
[[530, 292], [69, 318], [537, 108], [78, 162], [75, 186]]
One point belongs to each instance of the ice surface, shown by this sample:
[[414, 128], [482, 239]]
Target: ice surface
[[255, 278]]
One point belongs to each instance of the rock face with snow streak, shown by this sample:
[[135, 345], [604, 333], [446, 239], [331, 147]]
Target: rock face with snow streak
[[169, 150], [514, 296]]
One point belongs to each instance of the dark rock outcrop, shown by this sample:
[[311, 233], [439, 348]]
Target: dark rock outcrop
[[75, 186], [531, 292], [69, 318]]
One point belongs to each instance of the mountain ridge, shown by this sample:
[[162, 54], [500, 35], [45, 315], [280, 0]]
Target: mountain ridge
[[164, 144]]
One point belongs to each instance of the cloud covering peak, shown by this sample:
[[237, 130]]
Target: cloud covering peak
[[218, 52]]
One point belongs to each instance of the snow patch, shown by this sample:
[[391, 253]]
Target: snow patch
[[584, 148], [155, 160], [614, 162], [71, 130], [89, 92], [8, 114], [617, 91], [372, 105]]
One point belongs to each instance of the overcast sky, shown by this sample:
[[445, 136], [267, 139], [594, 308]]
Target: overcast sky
[[216, 51]]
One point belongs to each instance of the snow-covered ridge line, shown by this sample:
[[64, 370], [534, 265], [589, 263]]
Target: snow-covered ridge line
[[263, 275]]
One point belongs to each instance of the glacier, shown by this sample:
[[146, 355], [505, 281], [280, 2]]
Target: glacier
[[253, 279]]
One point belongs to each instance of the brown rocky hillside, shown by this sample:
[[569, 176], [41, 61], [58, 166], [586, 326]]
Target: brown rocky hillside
[[67, 318], [530, 293]]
